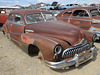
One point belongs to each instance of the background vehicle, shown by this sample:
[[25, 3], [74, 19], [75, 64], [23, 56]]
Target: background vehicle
[[68, 6], [55, 12], [87, 18], [51, 7]]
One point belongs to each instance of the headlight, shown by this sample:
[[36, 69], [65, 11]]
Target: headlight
[[95, 21], [57, 49]]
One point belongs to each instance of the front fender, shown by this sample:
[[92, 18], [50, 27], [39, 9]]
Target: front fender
[[44, 44], [89, 35]]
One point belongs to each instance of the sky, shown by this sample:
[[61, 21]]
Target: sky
[[28, 2]]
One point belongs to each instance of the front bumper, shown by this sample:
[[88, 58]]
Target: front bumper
[[77, 60], [96, 31], [98, 36]]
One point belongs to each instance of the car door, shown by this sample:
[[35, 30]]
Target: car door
[[80, 18], [17, 28], [9, 23]]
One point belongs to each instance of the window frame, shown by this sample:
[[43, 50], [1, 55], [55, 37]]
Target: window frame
[[83, 16], [12, 18], [20, 18], [42, 13]]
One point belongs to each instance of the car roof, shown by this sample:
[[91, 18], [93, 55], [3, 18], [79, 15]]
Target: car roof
[[88, 8], [26, 11]]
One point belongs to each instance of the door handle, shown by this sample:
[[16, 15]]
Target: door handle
[[29, 31]]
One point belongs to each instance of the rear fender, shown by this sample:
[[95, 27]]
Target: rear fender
[[5, 28]]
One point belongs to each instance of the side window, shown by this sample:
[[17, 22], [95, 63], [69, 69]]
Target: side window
[[18, 19], [80, 13], [10, 18], [67, 13]]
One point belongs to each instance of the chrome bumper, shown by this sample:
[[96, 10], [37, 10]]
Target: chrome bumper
[[77, 60], [98, 36]]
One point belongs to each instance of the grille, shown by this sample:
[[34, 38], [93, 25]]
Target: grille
[[70, 52]]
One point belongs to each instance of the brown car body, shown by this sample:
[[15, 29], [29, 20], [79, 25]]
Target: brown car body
[[82, 17], [51, 38]]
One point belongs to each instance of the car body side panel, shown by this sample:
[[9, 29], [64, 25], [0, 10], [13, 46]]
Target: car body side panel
[[85, 27], [80, 21]]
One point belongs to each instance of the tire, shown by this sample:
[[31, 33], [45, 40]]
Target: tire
[[3, 32], [1, 24]]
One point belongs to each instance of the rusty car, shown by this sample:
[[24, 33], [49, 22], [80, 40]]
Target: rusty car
[[57, 43], [87, 18]]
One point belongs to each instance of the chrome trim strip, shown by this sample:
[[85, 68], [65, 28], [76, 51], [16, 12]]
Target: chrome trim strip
[[29, 30], [80, 19], [74, 19], [62, 18], [16, 41], [47, 39], [18, 24]]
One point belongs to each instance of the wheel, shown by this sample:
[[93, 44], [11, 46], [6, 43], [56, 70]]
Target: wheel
[[7, 35], [33, 50], [40, 56], [3, 32]]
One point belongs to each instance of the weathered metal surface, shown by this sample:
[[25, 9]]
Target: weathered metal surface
[[46, 35], [3, 18], [82, 22]]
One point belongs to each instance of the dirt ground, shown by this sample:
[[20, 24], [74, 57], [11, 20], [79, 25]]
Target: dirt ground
[[13, 61]]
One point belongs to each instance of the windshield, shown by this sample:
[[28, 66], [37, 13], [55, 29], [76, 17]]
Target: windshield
[[39, 17], [95, 12]]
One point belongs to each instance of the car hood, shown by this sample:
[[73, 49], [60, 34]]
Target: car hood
[[59, 30]]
